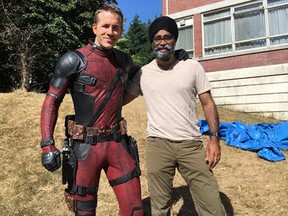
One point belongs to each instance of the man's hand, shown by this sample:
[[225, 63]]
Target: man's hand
[[213, 152], [51, 158]]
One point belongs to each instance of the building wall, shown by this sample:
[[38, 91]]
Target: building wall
[[249, 81], [273, 57], [175, 6], [259, 90], [198, 35]]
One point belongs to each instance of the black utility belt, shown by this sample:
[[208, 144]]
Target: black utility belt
[[103, 138]]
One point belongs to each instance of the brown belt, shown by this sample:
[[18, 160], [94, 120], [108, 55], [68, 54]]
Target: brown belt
[[81, 132]]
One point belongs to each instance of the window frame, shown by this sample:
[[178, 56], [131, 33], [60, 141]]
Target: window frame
[[237, 10]]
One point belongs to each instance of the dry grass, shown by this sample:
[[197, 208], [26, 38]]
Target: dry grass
[[249, 185]]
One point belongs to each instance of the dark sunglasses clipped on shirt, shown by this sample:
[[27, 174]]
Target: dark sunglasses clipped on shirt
[[167, 38]]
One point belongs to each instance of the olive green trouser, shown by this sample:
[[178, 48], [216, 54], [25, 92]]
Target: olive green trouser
[[188, 157]]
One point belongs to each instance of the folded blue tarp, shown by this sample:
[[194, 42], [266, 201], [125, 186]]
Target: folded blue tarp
[[265, 139]]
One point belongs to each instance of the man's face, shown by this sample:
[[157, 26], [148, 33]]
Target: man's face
[[108, 29], [163, 45]]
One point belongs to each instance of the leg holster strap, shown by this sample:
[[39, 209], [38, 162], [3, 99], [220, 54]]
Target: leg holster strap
[[127, 177], [74, 205], [138, 210], [82, 191]]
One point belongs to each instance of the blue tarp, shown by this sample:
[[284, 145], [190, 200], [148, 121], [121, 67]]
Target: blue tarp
[[265, 139]]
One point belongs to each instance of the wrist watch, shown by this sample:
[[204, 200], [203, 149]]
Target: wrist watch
[[216, 134]]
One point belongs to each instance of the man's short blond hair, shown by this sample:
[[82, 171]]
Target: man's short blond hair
[[110, 8]]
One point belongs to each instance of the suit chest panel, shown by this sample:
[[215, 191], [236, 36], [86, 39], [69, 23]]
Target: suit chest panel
[[103, 70]]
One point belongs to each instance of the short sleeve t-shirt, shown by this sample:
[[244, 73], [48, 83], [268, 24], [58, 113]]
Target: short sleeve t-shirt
[[170, 97]]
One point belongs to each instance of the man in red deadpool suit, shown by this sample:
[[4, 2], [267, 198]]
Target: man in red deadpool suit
[[89, 73]]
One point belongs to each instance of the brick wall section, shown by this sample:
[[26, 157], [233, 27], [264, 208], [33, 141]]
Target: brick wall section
[[175, 6], [197, 35], [245, 61], [164, 7]]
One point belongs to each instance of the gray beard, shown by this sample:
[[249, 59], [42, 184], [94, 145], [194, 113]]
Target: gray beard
[[163, 56]]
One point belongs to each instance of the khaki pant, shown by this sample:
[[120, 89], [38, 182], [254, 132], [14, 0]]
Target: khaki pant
[[188, 157]]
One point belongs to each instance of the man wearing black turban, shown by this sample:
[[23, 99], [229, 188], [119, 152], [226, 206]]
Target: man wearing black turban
[[163, 23], [170, 87]]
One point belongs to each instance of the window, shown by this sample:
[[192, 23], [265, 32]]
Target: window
[[217, 33], [185, 36], [278, 21], [249, 26], [260, 24]]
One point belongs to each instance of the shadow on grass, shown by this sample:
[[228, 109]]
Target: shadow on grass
[[188, 208]]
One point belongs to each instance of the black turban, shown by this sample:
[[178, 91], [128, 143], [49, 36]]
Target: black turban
[[163, 23]]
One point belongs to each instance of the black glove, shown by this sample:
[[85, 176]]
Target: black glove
[[181, 54], [51, 160]]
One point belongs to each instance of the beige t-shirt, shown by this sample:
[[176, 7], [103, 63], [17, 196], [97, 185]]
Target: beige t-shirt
[[170, 97]]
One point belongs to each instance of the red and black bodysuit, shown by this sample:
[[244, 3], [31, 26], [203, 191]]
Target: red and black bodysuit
[[89, 78]]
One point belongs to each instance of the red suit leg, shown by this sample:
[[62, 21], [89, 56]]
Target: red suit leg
[[119, 167], [128, 193]]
